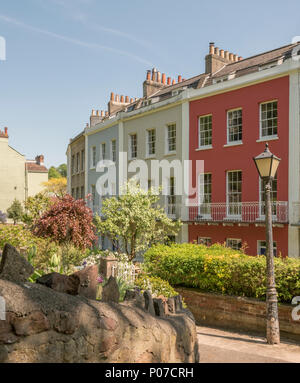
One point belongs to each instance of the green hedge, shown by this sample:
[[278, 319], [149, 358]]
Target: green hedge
[[218, 269], [156, 285]]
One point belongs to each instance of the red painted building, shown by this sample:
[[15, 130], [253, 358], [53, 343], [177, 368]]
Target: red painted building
[[230, 122]]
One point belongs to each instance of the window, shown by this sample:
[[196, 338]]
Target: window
[[262, 248], [132, 146], [73, 193], [234, 192], [171, 198], [77, 193], [204, 241], [205, 194], [234, 126], [268, 119], [73, 165], [82, 160], [103, 151], [235, 244], [77, 162], [93, 192], [205, 131], [273, 196], [151, 141], [171, 138], [113, 149], [93, 157], [82, 192]]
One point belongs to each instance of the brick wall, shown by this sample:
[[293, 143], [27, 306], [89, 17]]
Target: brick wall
[[237, 313]]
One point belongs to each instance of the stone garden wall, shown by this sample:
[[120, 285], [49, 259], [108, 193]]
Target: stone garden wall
[[45, 324]]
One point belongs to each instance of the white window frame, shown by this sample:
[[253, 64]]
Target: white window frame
[[173, 197], [93, 165], [228, 215], [93, 193], [148, 154], [167, 151], [263, 216], [201, 194], [82, 162], [205, 239], [113, 141], [259, 242], [209, 146], [102, 157], [234, 239], [261, 137], [130, 146], [238, 141]]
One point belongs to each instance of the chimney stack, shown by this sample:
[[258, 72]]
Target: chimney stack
[[154, 82], [39, 160], [218, 58]]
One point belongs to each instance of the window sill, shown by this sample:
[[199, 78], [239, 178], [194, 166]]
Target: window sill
[[93, 168], [170, 154], [237, 143], [204, 148], [151, 156], [269, 138]]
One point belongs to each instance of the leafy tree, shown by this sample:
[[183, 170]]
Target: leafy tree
[[62, 169], [35, 207], [15, 211], [3, 217], [69, 223], [56, 187], [133, 222], [54, 173]]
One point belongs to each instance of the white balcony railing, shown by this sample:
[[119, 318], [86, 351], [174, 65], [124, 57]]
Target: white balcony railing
[[238, 212]]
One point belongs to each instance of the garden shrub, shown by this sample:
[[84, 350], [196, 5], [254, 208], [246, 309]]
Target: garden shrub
[[218, 269], [156, 285]]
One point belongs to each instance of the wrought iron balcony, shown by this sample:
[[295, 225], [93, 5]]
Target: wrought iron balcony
[[248, 212]]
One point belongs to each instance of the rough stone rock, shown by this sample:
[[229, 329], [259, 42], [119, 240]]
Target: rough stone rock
[[159, 307], [14, 267], [61, 283], [136, 297], [88, 281], [110, 292], [149, 306], [171, 305], [88, 331], [34, 323], [178, 303]]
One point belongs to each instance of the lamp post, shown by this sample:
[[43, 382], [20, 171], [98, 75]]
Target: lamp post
[[267, 165]]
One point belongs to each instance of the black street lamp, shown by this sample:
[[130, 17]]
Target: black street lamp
[[267, 165]]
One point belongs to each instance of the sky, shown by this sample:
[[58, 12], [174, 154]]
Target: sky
[[65, 57]]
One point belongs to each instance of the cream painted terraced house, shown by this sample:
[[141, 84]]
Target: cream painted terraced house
[[19, 178]]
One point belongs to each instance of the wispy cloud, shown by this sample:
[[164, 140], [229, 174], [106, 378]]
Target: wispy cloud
[[73, 41], [74, 11]]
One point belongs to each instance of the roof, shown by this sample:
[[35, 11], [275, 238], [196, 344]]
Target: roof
[[33, 167]]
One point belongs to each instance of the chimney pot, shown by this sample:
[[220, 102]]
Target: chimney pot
[[217, 51], [97, 113], [222, 53], [148, 77], [240, 58], [106, 114], [93, 112], [158, 77], [179, 78], [236, 58], [131, 100], [5, 131], [169, 81], [153, 75], [102, 113], [226, 55], [127, 100], [231, 56], [163, 80], [112, 96], [117, 98], [122, 99], [211, 48], [173, 82]]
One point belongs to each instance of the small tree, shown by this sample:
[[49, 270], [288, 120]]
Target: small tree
[[133, 221], [69, 223], [15, 211], [53, 173], [35, 207], [56, 187], [62, 169], [3, 217]]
